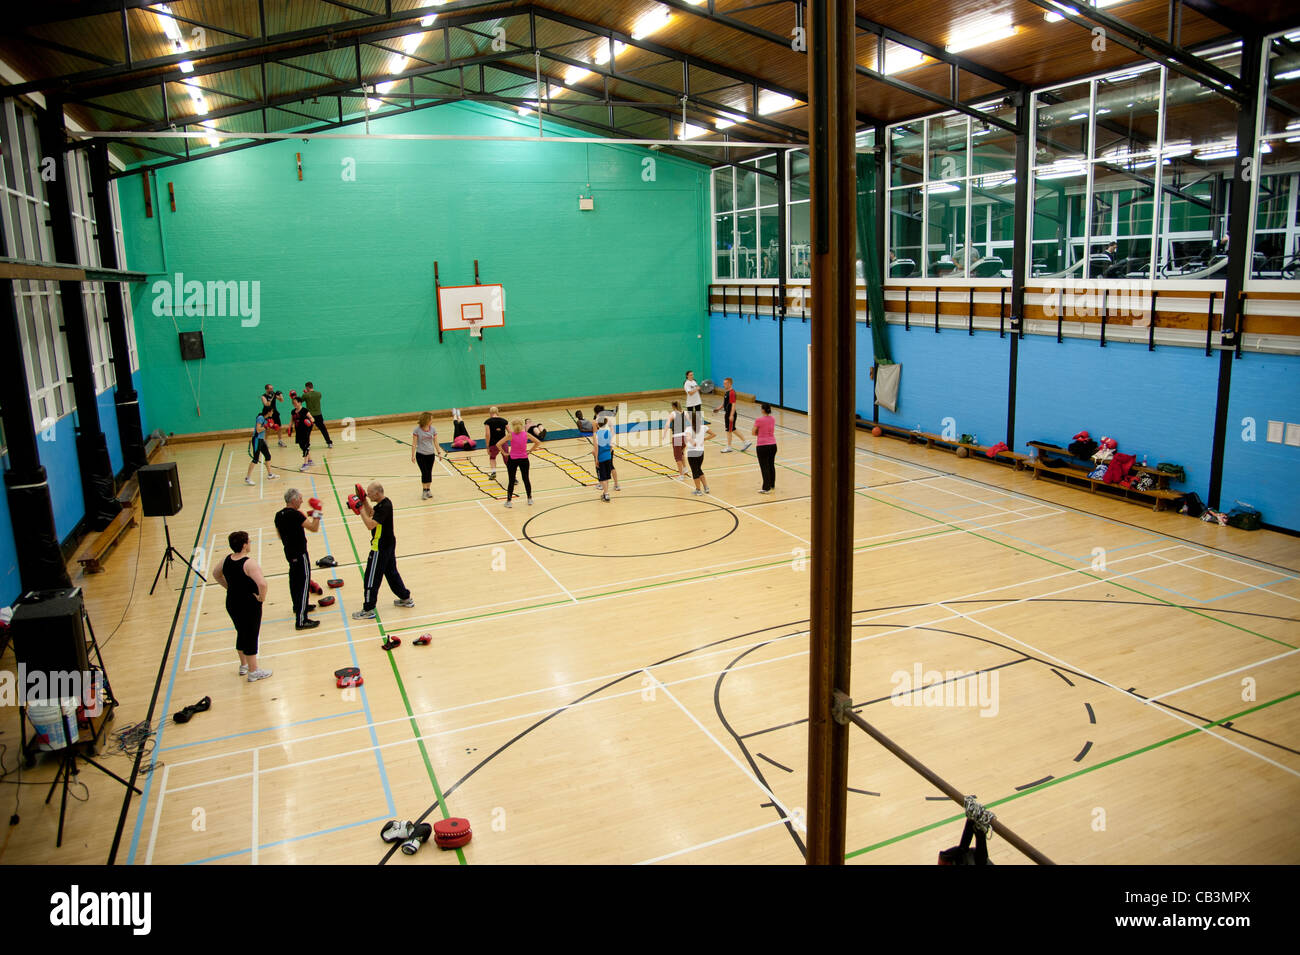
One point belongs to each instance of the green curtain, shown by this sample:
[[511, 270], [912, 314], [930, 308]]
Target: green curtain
[[871, 257]]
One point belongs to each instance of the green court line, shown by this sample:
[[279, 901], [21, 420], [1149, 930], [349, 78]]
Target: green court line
[[1075, 775], [662, 583], [397, 675], [1056, 563]]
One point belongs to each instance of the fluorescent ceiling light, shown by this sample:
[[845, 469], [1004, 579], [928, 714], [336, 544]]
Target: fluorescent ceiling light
[[722, 122], [769, 102], [1062, 169], [386, 87], [601, 56], [1097, 4], [1103, 111], [899, 58], [690, 131], [654, 20], [939, 187], [575, 73], [1265, 148], [1078, 116], [411, 42], [1173, 150], [211, 140], [187, 66], [1288, 75], [397, 63], [982, 32], [373, 104], [428, 21], [167, 20], [1217, 153], [524, 111], [1292, 139]]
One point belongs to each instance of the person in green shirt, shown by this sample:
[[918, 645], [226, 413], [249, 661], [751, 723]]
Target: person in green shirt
[[311, 398]]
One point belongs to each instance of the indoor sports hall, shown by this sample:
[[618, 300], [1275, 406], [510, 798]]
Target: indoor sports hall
[[660, 432]]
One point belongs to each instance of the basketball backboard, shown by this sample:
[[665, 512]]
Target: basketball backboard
[[472, 307]]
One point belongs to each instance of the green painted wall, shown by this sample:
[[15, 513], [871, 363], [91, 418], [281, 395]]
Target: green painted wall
[[597, 303]]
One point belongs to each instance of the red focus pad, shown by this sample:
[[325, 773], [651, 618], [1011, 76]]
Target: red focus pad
[[348, 676], [315, 504], [315, 587], [335, 583], [326, 601], [451, 833]]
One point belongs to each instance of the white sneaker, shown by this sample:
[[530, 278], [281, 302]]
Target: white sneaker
[[706, 489], [697, 492], [508, 504], [746, 445], [530, 502], [408, 602], [250, 482], [272, 477], [726, 450], [455, 412], [304, 467], [243, 669], [258, 674]]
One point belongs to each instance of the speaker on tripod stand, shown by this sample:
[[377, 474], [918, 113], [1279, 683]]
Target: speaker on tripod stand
[[160, 496]]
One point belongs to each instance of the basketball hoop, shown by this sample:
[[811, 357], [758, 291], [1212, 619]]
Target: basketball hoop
[[475, 328]]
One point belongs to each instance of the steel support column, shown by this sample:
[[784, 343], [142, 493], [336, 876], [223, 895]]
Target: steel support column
[[97, 485], [1019, 254]]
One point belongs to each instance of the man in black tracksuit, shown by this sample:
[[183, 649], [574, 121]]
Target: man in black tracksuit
[[290, 524], [381, 564]]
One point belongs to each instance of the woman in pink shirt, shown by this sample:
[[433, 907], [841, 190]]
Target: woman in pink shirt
[[765, 433], [515, 447]]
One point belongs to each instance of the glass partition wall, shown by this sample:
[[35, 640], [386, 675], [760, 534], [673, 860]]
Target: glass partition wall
[[1131, 176]]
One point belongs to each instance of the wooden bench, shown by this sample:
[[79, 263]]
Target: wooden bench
[[937, 441], [92, 556], [1160, 495]]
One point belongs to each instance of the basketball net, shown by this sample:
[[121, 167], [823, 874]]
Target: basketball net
[[476, 328]]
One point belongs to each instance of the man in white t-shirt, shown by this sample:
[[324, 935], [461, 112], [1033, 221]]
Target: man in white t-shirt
[[693, 399]]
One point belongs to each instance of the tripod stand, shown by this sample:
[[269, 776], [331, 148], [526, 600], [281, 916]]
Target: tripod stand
[[72, 732], [170, 554]]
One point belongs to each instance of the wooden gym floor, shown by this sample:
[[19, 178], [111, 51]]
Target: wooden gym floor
[[626, 682]]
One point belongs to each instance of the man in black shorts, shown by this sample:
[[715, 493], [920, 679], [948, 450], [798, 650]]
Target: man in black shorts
[[494, 430], [302, 425], [271, 412], [311, 398], [729, 412], [290, 524], [381, 564]]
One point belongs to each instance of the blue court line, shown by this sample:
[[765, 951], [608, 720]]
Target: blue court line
[[280, 842], [201, 633], [1205, 600], [219, 739], [171, 685], [365, 700]]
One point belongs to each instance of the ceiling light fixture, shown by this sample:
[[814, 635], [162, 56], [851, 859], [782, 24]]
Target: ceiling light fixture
[[650, 22], [982, 32]]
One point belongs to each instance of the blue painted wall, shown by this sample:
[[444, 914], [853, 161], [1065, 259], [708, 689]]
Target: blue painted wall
[[10, 585], [1262, 474], [1159, 404]]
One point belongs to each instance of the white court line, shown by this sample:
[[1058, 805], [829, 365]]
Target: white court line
[[198, 610], [1258, 588], [528, 552], [714, 842], [949, 613], [1271, 568], [157, 814], [226, 483], [1129, 696], [716, 742], [1220, 676], [742, 510], [255, 825]]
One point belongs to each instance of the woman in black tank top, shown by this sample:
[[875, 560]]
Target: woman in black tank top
[[245, 590]]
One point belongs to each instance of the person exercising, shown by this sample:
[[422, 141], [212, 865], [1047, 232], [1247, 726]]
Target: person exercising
[[311, 398], [381, 563], [270, 410], [291, 524]]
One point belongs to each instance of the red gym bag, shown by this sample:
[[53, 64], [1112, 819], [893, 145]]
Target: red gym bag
[[451, 833]]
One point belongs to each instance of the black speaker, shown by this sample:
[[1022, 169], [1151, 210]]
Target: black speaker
[[160, 489], [192, 346], [49, 633]]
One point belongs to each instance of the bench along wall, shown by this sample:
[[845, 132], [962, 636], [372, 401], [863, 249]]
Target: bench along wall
[[597, 302]]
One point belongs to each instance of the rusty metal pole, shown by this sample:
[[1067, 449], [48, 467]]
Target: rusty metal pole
[[833, 175]]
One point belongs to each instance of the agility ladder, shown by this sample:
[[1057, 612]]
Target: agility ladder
[[569, 467], [487, 485], [646, 463]]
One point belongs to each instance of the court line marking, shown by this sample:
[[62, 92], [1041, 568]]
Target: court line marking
[[530, 554], [226, 483], [1220, 676], [714, 842], [712, 674], [157, 814], [1262, 588], [1145, 702], [254, 821]]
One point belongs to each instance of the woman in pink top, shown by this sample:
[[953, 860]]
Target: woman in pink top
[[765, 433], [515, 447]]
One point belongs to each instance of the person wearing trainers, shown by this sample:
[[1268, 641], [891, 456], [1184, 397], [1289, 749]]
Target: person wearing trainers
[[311, 398], [494, 432], [270, 410], [258, 451], [693, 399], [602, 449], [765, 433], [695, 438], [425, 450], [302, 425], [291, 524], [675, 427], [245, 589], [729, 412], [381, 563], [514, 447]]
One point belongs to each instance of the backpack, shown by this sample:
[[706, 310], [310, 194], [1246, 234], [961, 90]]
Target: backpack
[[1244, 517], [1192, 505]]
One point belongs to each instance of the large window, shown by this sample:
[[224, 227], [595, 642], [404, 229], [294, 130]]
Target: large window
[[746, 220], [24, 212], [1276, 251]]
